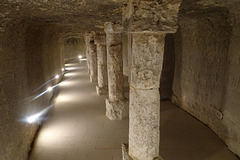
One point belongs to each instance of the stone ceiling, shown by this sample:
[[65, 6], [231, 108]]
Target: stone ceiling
[[87, 14]]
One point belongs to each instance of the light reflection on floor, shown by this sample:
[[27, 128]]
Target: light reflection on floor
[[77, 128]]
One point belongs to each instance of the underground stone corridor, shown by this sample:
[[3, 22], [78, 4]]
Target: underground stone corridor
[[77, 128], [119, 79]]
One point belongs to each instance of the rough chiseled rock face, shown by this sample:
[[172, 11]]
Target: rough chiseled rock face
[[206, 81], [25, 64], [167, 75], [151, 16], [91, 13]]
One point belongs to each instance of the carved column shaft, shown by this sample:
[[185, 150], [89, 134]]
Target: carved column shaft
[[148, 22], [146, 67], [116, 104], [86, 39], [92, 51], [100, 41]]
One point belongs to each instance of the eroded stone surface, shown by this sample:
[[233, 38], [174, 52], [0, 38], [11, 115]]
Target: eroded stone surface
[[87, 39], [92, 52], [147, 59], [26, 62], [156, 18], [102, 90], [117, 110], [100, 41], [151, 16], [144, 118], [115, 68], [93, 13], [206, 54]]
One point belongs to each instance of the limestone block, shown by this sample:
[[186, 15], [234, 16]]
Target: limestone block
[[151, 16], [144, 119], [146, 61], [116, 110]]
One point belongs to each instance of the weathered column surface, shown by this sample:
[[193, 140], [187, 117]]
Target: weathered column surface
[[100, 41], [92, 50], [146, 67], [86, 39], [148, 22], [116, 104]]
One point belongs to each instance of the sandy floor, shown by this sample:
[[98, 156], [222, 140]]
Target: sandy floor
[[77, 128]]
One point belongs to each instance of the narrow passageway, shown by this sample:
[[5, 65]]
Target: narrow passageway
[[77, 128]]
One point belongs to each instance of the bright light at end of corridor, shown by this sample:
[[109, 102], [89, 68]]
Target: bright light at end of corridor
[[80, 57], [62, 69], [57, 76]]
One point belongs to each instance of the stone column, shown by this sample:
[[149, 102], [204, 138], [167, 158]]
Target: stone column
[[100, 41], [116, 104], [92, 50], [146, 67], [86, 39], [148, 22]]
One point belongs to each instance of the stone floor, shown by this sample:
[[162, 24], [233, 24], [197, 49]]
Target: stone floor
[[77, 128]]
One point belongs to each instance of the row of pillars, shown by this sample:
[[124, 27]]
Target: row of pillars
[[145, 55]]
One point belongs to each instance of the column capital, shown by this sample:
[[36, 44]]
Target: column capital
[[100, 38], [89, 36], [112, 28], [155, 16]]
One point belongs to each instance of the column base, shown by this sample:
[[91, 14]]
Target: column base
[[126, 156], [93, 79], [101, 90], [117, 110]]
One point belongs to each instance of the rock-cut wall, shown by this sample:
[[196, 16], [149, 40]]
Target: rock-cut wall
[[29, 57], [207, 73], [73, 47]]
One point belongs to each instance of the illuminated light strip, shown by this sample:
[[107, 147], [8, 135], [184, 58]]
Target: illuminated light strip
[[57, 76], [50, 89], [39, 95], [44, 84], [35, 117]]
